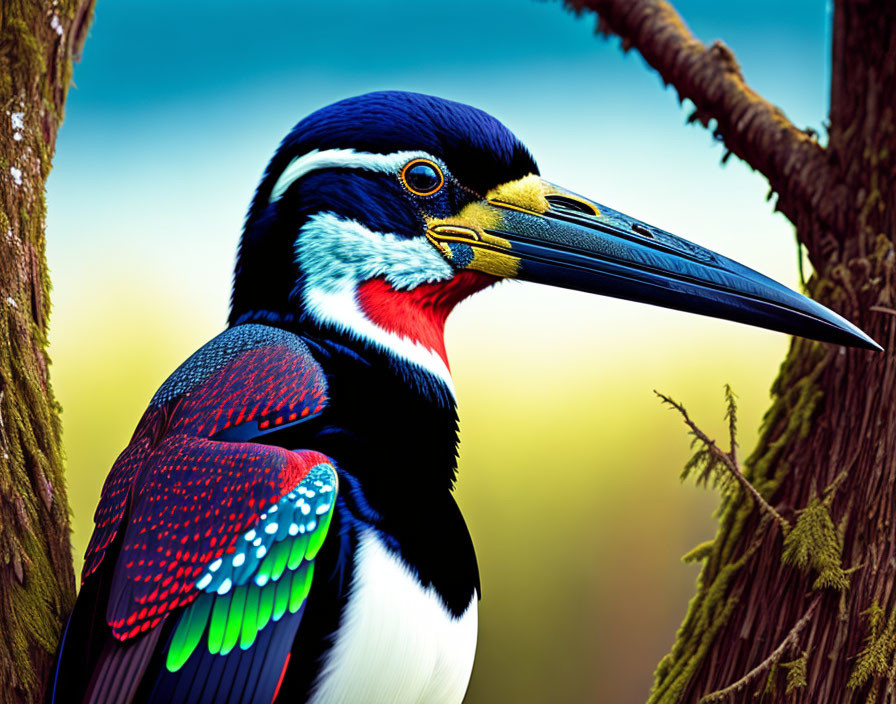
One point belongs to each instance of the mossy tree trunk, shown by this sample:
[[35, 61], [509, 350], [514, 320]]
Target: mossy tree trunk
[[758, 629], [38, 41]]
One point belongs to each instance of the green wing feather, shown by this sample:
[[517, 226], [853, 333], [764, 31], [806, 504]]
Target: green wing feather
[[269, 573]]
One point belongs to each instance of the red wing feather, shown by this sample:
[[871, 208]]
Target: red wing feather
[[183, 497]]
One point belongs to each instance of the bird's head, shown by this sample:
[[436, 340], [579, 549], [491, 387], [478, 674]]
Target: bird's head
[[379, 213]]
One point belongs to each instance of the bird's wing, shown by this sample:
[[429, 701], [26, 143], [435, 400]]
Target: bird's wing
[[232, 643], [196, 575]]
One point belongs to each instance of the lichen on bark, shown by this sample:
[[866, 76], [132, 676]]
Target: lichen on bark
[[37, 44]]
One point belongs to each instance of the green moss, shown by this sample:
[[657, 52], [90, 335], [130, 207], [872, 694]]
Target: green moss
[[815, 543], [771, 681], [876, 658], [681, 673], [796, 673], [28, 54], [699, 553], [40, 589], [707, 613], [707, 468], [795, 404]]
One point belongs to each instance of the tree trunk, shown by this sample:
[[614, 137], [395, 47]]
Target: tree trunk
[[37, 43], [758, 628]]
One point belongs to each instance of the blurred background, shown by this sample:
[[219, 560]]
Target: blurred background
[[177, 108]]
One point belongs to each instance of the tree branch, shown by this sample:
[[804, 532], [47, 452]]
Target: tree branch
[[759, 133]]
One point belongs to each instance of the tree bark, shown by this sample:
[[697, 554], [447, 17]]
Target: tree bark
[[38, 41], [759, 629]]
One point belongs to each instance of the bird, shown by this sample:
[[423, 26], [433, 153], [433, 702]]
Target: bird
[[282, 525]]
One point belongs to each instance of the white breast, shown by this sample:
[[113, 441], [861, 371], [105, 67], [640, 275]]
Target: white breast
[[397, 643]]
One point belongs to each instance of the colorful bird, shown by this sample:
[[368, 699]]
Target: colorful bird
[[281, 526]]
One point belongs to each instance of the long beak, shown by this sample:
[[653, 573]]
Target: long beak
[[535, 231]]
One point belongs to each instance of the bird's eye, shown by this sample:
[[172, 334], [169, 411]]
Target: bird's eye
[[422, 177]]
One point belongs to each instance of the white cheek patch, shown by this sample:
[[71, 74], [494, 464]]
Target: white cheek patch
[[336, 254], [331, 251]]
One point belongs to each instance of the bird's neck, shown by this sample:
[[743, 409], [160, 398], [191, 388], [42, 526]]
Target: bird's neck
[[391, 424], [392, 402], [390, 389], [395, 444], [406, 326], [416, 317]]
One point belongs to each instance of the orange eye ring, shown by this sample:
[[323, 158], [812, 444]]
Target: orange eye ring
[[417, 189]]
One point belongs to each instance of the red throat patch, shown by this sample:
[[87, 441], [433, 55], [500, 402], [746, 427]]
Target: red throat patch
[[419, 314]]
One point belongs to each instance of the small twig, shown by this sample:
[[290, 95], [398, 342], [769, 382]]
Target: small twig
[[726, 460], [831, 489], [799, 262], [882, 309], [776, 654]]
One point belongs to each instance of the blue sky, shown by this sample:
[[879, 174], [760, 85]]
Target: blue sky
[[178, 105], [142, 53]]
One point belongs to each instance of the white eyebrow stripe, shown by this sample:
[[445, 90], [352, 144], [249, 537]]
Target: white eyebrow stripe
[[341, 159]]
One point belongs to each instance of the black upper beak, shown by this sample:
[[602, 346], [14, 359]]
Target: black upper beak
[[578, 244]]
